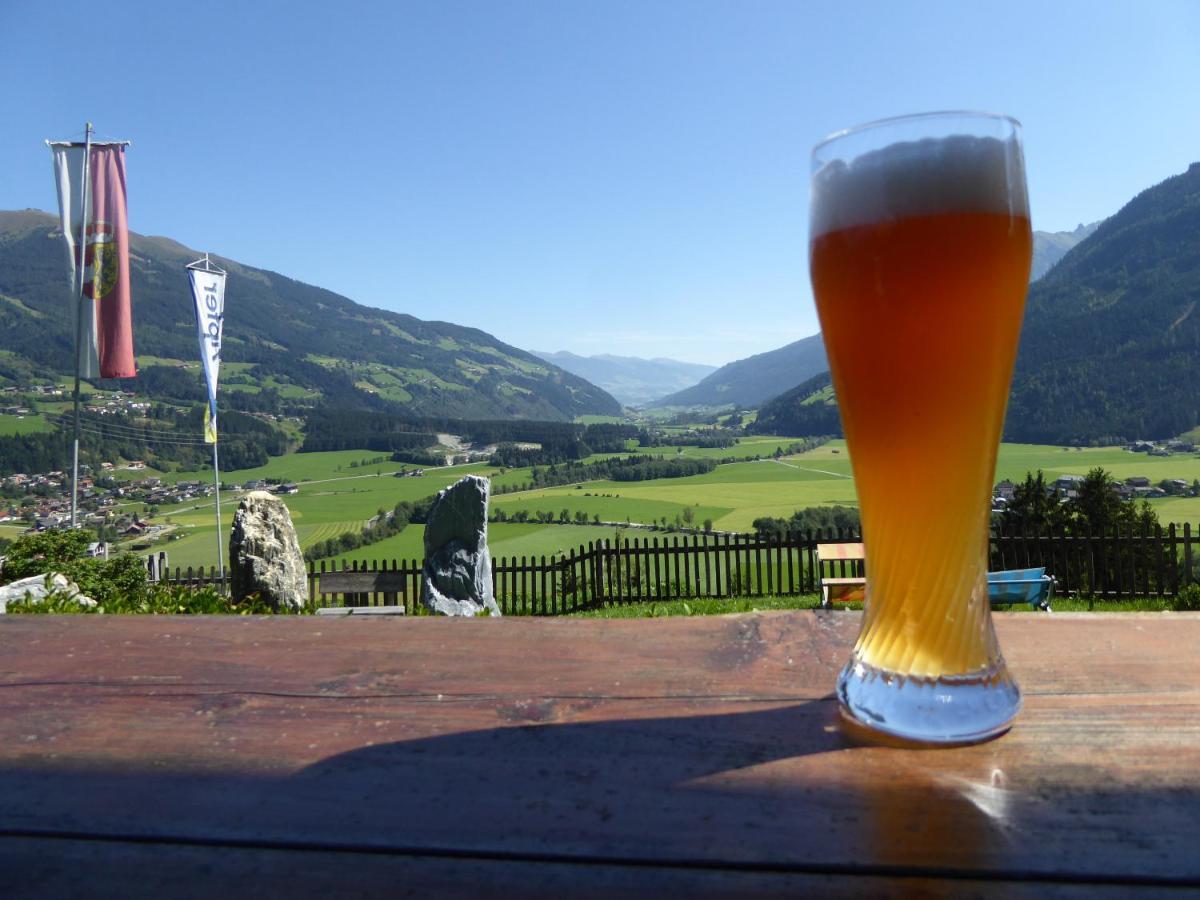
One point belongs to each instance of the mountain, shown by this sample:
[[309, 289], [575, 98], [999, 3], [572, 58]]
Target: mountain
[[1111, 338], [633, 381], [807, 409], [750, 381], [303, 342], [1051, 246]]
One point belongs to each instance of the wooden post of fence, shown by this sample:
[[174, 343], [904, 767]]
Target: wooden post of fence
[[723, 560], [713, 542], [697, 549], [522, 602], [1173, 542], [604, 570], [1187, 553], [758, 542], [1141, 559], [687, 568], [581, 584], [1123, 588], [738, 587], [748, 544], [779, 545], [656, 593], [616, 566], [709, 588], [416, 569], [593, 568], [673, 560], [577, 575], [1160, 575], [789, 544], [648, 559], [634, 555]]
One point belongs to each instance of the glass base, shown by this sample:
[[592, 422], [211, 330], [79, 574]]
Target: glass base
[[952, 709]]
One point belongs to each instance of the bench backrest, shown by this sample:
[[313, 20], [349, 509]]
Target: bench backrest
[[389, 582], [835, 552]]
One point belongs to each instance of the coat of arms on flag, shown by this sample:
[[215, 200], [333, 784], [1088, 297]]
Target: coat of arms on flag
[[92, 208]]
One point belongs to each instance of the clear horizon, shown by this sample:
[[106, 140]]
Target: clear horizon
[[627, 179]]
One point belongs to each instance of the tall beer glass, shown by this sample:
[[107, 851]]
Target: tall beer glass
[[919, 252]]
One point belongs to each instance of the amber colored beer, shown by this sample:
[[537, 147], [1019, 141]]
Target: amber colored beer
[[921, 316]]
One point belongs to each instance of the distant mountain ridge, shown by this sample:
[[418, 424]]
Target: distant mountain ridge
[[632, 380], [751, 381], [287, 335], [1051, 246]]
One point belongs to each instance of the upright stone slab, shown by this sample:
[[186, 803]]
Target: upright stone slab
[[264, 554], [458, 567]]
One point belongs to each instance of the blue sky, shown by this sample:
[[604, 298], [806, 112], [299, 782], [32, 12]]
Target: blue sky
[[619, 177]]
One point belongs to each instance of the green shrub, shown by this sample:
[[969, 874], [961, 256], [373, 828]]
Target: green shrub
[[1187, 600], [45, 551], [118, 585]]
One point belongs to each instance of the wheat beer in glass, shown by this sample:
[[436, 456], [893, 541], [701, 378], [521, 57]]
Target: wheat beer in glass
[[919, 252]]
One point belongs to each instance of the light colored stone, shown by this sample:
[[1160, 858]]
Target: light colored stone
[[458, 567], [36, 588], [264, 553]]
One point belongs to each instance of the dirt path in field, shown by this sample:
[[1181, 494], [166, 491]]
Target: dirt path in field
[[808, 468]]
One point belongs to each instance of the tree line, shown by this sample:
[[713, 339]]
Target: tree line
[[169, 439]]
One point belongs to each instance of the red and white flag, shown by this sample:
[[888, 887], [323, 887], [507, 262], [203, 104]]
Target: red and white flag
[[106, 321]]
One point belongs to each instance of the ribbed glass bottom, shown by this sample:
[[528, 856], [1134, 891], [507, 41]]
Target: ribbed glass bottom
[[950, 709]]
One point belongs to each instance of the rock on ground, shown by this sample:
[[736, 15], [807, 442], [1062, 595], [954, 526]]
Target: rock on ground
[[36, 588], [264, 553], [458, 567]]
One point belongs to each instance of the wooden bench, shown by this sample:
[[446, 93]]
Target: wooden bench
[[843, 588], [391, 583]]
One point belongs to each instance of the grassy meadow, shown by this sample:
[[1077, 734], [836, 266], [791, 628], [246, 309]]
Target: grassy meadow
[[30, 424], [339, 491]]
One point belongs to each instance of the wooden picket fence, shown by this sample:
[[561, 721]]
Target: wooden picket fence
[[1124, 562], [1113, 565]]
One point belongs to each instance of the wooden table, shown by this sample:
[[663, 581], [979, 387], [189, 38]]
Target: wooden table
[[161, 756]]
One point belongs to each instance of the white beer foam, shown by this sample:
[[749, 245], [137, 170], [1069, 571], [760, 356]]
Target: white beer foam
[[937, 175]]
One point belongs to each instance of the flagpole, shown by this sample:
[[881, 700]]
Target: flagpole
[[87, 165], [205, 265], [217, 494], [217, 487]]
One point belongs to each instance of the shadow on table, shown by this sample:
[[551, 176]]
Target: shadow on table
[[785, 788]]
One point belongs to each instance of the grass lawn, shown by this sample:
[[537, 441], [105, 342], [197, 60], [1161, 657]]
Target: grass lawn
[[335, 496], [733, 495], [31, 424], [698, 607], [607, 500], [12, 530], [505, 539]]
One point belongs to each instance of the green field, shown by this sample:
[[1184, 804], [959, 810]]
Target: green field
[[31, 424], [339, 493]]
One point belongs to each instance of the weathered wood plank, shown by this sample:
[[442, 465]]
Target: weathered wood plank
[[707, 742], [77, 868]]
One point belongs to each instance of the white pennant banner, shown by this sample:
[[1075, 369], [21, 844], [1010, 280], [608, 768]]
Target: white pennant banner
[[208, 292]]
